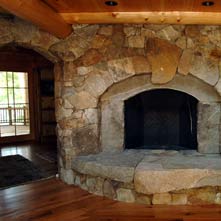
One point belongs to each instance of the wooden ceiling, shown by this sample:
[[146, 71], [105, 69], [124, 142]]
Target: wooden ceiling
[[56, 16], [79, 6]]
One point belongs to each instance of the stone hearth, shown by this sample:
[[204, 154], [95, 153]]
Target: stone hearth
[[151, 176]]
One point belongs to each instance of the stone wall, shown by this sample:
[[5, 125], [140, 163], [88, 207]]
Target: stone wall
[[109, 54], [95, 57]]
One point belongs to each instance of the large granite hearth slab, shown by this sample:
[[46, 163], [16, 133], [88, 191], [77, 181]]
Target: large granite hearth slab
[[115, 166], [160, 174], [155, 171]]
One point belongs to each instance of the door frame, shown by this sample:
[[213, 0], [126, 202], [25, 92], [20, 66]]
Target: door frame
[[26, 60], [32, 107]]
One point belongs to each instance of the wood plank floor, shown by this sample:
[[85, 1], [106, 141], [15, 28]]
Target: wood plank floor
[[44, 156], [52, 200]]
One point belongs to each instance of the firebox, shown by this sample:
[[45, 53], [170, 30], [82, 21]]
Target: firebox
[[161, 119]]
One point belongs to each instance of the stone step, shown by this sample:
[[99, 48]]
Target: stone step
[[154, 171]]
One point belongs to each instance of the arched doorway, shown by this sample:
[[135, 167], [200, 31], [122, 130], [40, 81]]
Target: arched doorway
[[26, 91], [27, 80]]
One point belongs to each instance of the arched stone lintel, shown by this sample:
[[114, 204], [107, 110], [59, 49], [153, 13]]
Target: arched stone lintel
[[195, 87]]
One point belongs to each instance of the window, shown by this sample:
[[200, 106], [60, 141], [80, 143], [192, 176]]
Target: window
[[14, 104]]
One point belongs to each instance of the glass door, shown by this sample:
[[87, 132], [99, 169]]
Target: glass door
[[14, 104]]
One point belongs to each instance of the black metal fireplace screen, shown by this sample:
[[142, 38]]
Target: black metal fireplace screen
[[161, 119]]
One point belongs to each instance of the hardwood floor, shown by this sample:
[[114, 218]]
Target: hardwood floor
[[52, 200], [44, 156]]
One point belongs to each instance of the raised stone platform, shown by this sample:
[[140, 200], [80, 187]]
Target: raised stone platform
[[149, 173]]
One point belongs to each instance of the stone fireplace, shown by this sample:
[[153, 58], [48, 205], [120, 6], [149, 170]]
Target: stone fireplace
[[113, 84], [139, 114], [192, 110]]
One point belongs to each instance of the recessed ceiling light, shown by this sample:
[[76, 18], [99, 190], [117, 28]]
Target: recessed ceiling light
[[207, 3], [111, 3]]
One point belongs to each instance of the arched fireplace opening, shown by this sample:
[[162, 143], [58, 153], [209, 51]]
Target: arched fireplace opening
[[161, 119]]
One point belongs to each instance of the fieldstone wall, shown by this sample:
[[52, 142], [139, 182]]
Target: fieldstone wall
[[96, 57], [111, 54], [18, 32]]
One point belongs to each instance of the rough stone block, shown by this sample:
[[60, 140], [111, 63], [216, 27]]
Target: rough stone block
[[136, 41], [95, 185], [179, 199], [218, 87], [112, 126], [160, 175], [121, 69], [125, 195], [143, 199], [202, 197], [91, 184], [208, 128], [91, 115], [205, 69], [106, 30], [115, 166], [108, 190], [141, 65], [95, 84], [77, 181], [185, 62], [218, 198], [85, 139], [67, 176], [168, 55], [181, 42], [82, 100], [162, 199], [168, 33]]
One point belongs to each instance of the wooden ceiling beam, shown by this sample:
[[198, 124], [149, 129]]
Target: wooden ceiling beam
[[40, 14], [172, 17]]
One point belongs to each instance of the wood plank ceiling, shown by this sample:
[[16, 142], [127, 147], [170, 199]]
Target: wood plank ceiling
[[56, 15], [78, 6]]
